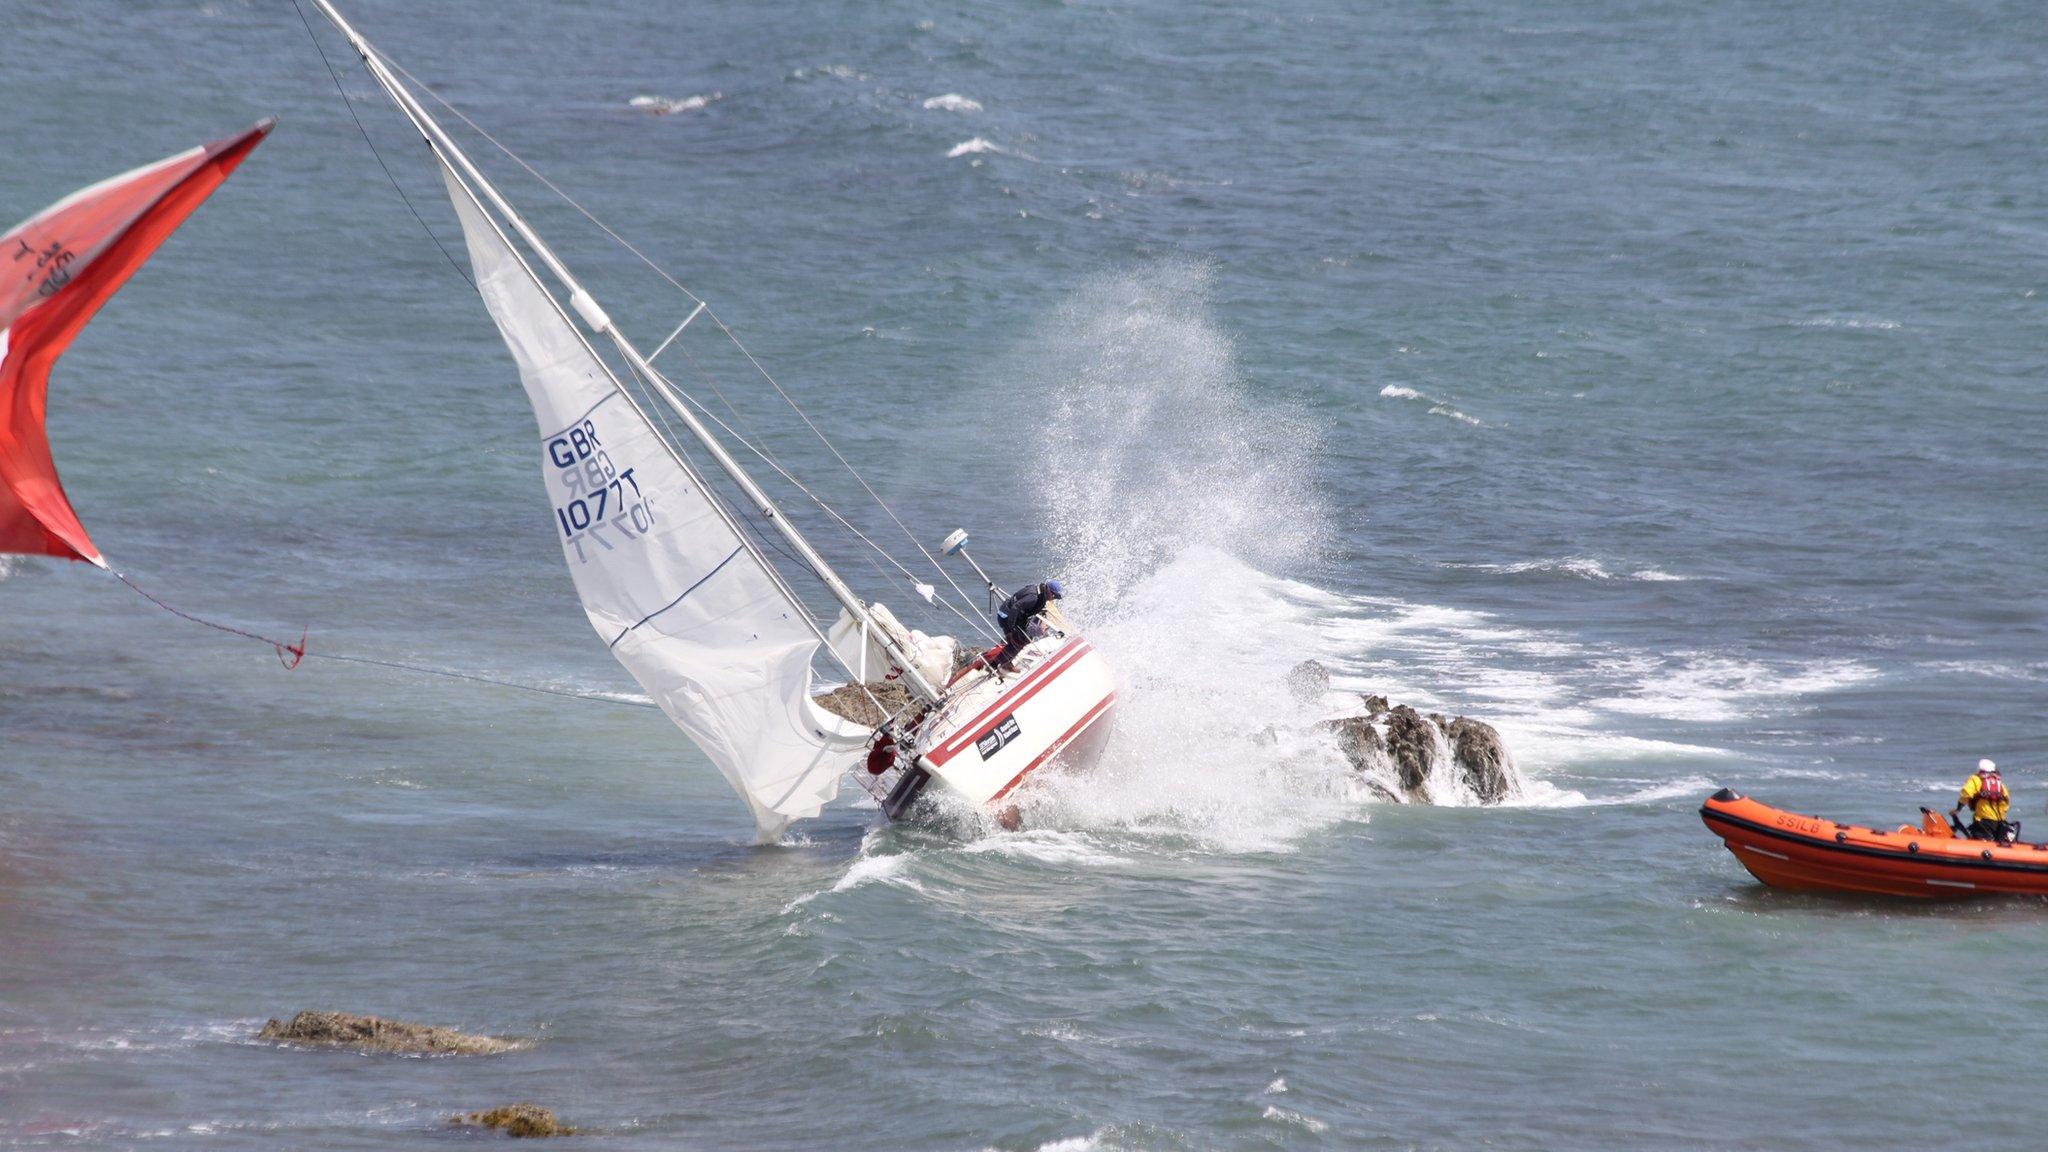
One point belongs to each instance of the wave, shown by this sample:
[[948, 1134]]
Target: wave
[[667, 106], [1294, 1119], [1436, 407], [1709, 688], [1679, 789], [1046, 846], [1586, 567], [952, 102], [973, 147], [1850, 322], [835, 71], [2033, 673]]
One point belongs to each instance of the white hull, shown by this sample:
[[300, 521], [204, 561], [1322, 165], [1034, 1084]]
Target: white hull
[[994, 730]]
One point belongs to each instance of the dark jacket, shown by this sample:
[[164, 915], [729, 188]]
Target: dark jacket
[[1022, 605]]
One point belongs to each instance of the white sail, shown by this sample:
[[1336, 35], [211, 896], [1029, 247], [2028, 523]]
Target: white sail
[[664, 576]]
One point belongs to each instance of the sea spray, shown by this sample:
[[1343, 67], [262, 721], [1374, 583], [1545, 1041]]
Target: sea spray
[[1171, 492], [1153, 444]]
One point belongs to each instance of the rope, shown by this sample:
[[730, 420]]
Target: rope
[[350, 105], [292, 654], [296, 652]]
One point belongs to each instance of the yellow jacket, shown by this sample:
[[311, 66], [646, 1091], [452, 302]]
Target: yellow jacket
[[1983, 807]]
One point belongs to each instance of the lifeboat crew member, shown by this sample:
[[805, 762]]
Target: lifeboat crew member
[[1017, 613], [1989, 801]]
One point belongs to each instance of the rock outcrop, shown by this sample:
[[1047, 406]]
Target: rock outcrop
[[1411, 745], [515, 1120], [1489, 770], [1408, 757], [375, 1034], [850, 702]]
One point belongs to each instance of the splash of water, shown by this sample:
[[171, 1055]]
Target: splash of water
[[1154, 444], [1172, 490]]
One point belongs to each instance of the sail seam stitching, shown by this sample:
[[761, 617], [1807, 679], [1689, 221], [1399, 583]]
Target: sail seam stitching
[[679, 599]]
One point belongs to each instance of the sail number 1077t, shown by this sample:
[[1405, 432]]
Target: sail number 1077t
[[600, 496]]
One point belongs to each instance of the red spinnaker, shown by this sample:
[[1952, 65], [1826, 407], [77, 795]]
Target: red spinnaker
[[56, 269]]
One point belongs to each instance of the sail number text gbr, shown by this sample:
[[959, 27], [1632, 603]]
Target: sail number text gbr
[[599, 500]]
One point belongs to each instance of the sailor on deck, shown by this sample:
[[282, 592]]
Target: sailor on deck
[[1017, 615], [1989, 801]]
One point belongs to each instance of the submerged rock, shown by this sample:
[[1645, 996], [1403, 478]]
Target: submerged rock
[[375, 1034], [851, 702], [515, 1120]]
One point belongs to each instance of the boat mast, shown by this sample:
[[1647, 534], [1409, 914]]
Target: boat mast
[[587, 308]]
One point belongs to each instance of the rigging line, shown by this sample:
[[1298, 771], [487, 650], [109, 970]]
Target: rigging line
[[708, 310], [978, 625], [768, 459], [452, 675], [752, 527], [291, 655], [536, 174], [738, 416], [834, 449], [350, 105]]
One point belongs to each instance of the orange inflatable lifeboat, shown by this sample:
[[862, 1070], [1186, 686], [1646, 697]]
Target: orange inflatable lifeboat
[[1807, 853]]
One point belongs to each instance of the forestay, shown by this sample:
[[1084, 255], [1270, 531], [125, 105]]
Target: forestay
[[664, 576]]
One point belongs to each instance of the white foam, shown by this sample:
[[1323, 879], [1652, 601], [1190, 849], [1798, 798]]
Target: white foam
[[7, 566], [867, 868], [1677, 789], [952, 102], [1165, 487], [971, 147], [667, 106], [835, 71], [1706, 688], [1587, 567], [1852, 322], [870, 869], [1436, 407], [2032, 673], [1089, 1143], [1282, 1115], [1046, 846]]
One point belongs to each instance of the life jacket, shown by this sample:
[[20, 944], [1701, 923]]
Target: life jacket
[[1991, 788], [882, 756]]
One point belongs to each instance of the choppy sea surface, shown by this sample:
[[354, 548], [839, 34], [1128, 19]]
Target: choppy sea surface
[[1661, 383]]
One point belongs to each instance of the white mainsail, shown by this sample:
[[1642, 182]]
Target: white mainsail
[[667, 581]]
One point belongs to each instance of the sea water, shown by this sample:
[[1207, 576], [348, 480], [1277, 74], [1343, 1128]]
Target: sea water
[[1660, 384]]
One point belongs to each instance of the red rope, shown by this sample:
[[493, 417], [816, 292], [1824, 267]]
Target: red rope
[[288, 654]]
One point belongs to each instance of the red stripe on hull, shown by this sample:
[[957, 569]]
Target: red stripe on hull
[[1009, 702], [1080, 727]]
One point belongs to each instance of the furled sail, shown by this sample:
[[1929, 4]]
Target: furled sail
[[56, 269], [668, 583]]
